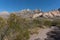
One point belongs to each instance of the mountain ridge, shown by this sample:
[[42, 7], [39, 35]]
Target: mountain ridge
[[27, 13]]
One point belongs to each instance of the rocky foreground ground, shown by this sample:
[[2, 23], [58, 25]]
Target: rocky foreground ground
[[42, 34]]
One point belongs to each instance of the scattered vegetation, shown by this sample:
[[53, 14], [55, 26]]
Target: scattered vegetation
[[17, 28]]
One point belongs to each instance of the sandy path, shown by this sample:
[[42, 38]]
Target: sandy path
[[41, 34]]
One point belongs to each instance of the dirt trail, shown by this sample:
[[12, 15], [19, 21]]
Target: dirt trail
[[42, 34]]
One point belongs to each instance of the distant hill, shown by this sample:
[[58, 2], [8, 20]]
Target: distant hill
[[4, 14]]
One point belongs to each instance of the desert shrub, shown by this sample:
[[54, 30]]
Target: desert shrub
[[56, 22], [42, 22], [19, 25], [3, 27], [37, 23], [47, 23], [2, 22]]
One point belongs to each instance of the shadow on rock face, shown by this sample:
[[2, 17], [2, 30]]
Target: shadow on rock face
[[54, 34]]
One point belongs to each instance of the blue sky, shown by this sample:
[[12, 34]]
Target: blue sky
[[16, 5]]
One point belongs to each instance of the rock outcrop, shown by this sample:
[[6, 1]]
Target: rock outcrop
[[50, 14]]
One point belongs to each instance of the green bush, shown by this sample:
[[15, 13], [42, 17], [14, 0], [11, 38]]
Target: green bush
[[56, 22], [47, 23], [20, 26]]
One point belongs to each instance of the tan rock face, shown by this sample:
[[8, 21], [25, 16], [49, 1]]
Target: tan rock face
[[37, 15], [56, 13], [50, 14], [45, 15]]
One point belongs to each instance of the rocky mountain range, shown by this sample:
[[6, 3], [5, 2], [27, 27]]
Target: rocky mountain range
[[27, 13], [50, 14]]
